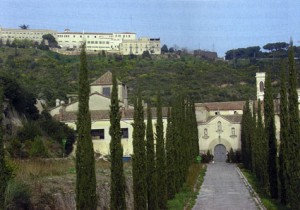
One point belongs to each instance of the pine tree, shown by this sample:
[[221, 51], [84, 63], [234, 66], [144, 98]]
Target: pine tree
[[262, 151], [271, 137], [151, 164], [170, 158], [160, 158], [85, 161], [4, 173], [139, 157], [118, 184], [284, 136], [293, 145]]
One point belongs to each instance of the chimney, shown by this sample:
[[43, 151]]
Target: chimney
[[62, 111], [57, 102]]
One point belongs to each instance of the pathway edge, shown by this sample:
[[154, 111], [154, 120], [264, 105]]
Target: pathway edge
[[251, 190]]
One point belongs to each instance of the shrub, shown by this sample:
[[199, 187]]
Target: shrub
[[206, 158], [17, 195], [38, 148], [16, 149], [230, 156], [29, 131]]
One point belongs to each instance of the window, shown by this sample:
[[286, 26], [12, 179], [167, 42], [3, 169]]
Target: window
[[233, 131], [261, 86], [124, 132], [205, 134], [233, 135], [97, 134], [106, 91], [219, 126]]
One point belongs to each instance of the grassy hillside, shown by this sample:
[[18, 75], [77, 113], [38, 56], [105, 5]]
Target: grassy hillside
[[50, 75]]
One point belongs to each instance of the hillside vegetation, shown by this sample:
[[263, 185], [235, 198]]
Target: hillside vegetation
[[49, 75]]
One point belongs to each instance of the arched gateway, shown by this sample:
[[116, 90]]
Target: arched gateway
[[220, 154]]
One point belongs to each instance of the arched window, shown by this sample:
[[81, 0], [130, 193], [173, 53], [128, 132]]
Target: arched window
[[205, 131], [205, 134], [219, 126], [261, 86], [233, 131]]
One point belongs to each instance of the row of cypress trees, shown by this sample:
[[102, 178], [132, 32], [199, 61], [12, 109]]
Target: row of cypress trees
[[158, 172], [166, 165], [259, 144]]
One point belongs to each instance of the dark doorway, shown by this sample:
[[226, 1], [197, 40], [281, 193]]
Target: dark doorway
[[220, 153]]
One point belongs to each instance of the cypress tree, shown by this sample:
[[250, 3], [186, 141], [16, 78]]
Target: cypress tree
[[139, 157], [181, 147], [160, 158], [246, 136], [262, 151], [271, 137], [151, 164], [185, 142], [294, 133], [175, 122], [195, 144], [85, 161], [170, 158], [4, 175], [118, 184], [284, 136], [254, 143]]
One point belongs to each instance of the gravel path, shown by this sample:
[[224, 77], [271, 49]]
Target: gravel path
[[223, 189]]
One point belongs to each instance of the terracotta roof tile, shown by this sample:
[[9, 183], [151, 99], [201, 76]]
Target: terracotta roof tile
[[104, 114], [105, 79], [230, 105]]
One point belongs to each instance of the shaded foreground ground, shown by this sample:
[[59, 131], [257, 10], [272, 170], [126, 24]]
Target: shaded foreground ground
[[52, 183], [223, 189]]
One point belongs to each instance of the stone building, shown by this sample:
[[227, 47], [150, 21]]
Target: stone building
[[138, 46], [219, 123], [31, 34]]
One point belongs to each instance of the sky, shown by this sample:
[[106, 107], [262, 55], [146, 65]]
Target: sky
[[214, 25]]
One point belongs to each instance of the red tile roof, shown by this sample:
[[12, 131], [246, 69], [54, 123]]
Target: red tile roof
[[230, 105], [104, 114], [105, 79]]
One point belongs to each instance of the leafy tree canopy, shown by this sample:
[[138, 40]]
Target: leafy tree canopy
[[276, 46], [164, 49]]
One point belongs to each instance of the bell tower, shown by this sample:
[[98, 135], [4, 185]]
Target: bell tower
[[260, 85]]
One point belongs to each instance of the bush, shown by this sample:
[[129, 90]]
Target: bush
[[16, 149], [38, 148], [17, 196], [29, 131], [234, 157], [206, 158]]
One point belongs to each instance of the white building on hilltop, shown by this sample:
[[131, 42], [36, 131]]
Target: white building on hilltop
[[124, 43], [36, 35]]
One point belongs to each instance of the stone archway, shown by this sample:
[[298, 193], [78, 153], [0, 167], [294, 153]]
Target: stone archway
[[220, 154]]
